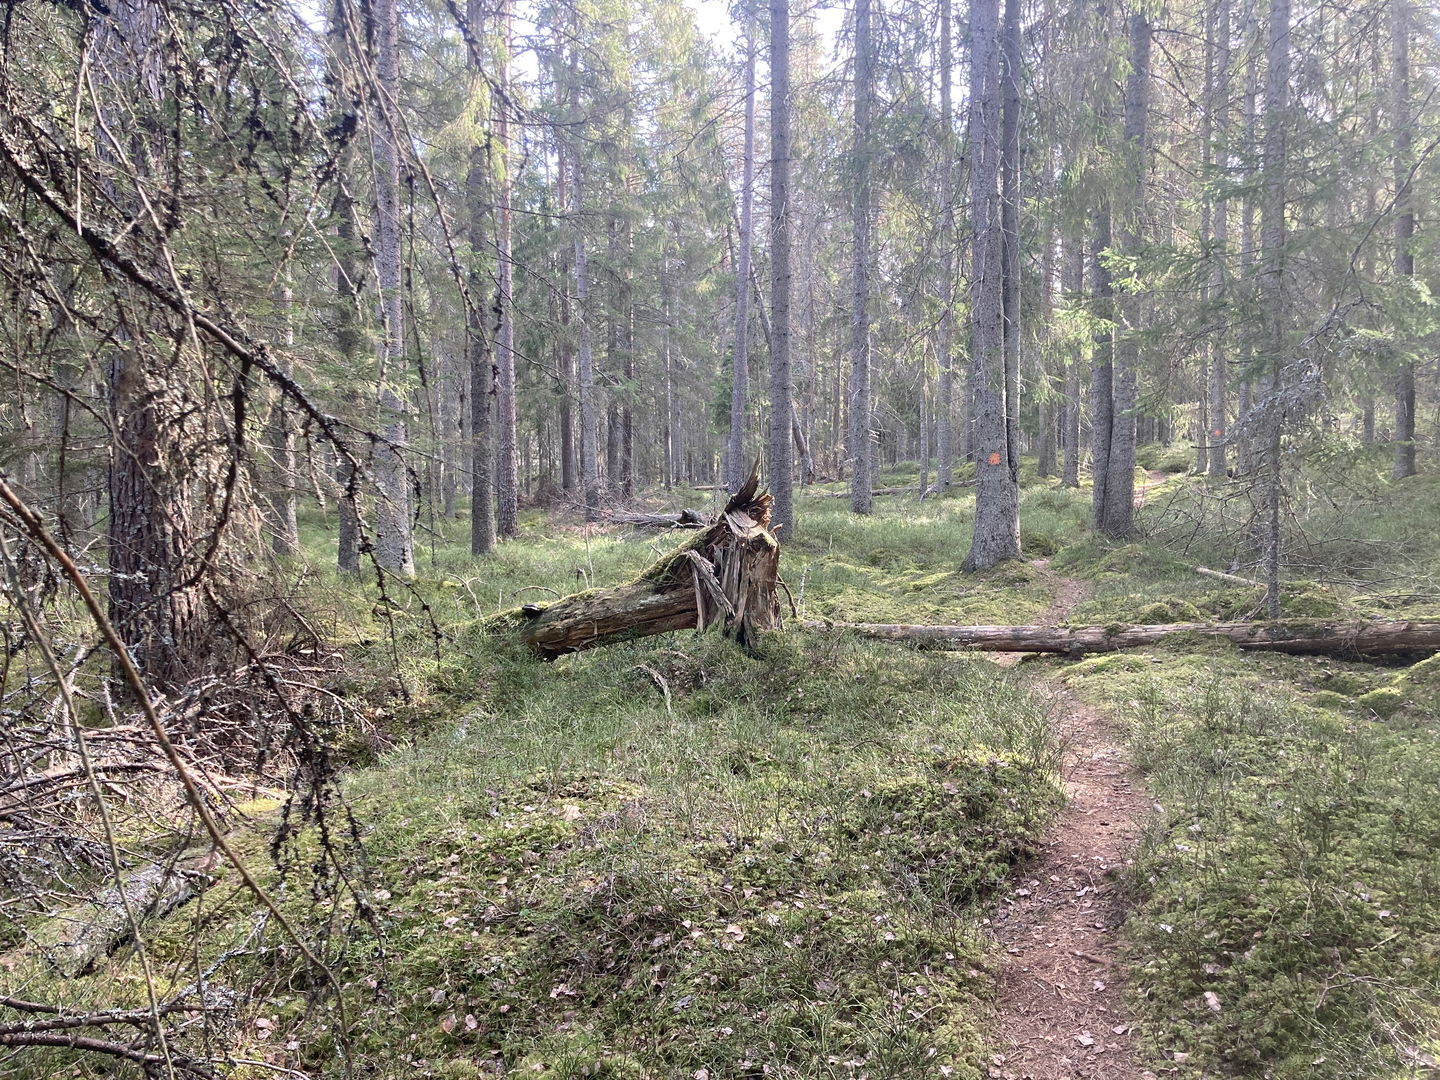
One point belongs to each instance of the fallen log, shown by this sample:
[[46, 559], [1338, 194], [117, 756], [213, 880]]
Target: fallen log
[[903, 489], [725, 576], [685, 519], [74, 940], [1313, 636], [1233, 578]]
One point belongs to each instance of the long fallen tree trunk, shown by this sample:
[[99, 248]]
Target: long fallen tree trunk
[[725, 576], [74, 940], [1294, 636], [683, 519]]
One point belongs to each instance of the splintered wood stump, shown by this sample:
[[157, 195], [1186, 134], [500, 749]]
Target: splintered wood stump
[[725, 576], [1311, 636]]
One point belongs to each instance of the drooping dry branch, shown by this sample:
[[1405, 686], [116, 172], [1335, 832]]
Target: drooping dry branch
[[725, 576], [1297, 636]]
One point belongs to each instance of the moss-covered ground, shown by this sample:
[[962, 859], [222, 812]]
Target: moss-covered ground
[[667, 859]]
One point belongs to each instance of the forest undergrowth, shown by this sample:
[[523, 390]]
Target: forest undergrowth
[[669, 859]]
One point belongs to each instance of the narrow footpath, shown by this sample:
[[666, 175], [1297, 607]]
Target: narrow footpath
[[1059, 1008]]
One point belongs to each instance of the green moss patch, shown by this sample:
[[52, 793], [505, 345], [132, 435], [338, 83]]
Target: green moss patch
[[1289, 894]]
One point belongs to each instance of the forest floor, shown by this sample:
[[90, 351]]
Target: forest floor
[[1059, 1005], [852, 860]]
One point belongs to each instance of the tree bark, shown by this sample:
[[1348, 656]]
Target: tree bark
[[781, 466], [1314, 637], [997, 500], [394, 540], [1272, 270], [589, 414], [740, 356], [1010, 233], [1074, 285], [1220, 102], [478, 341], [154, 603], [1404, 232], [507, 481], [1114, 501], [861, 405], [945, 327]]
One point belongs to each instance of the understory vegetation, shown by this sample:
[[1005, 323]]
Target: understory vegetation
[[668, 858]]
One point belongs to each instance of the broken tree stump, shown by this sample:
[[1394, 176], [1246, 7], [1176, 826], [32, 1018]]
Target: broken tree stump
[[724, 576], [1301, 636]]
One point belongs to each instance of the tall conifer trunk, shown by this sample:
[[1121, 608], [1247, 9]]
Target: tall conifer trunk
[[997, 503], [736, 467], [861, 405], [394, 541], [1404, 230], [781, 469]]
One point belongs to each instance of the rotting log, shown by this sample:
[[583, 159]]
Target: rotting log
[[724, 576], [1312, 636], [1235, 579], [74, 940], [684, 519]]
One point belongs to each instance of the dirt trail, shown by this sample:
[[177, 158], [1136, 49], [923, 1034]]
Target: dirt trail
[[1060, 1013]]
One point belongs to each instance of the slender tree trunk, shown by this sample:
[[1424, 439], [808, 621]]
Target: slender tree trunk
[[1045, 464], [1404, 232], [781, 479], [861, 405], [507, 484], [1272, 270], [1102, 367], [1010, 230], [945, 328], [589, 414], [614, 313], [1115, 497], [569, 454], [478, 343], [394, 540], [736, 467], [285, 539], [1218, 429], [997, 504], [1074, 285], [347, 345]]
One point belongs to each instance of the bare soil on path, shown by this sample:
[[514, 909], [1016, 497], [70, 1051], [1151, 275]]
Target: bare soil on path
[[1059, 1008]]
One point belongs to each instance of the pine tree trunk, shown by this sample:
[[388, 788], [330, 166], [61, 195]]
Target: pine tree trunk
[[394, 542], [1074, 285], [781, 479], [735, 464], [507, 483], [1404, 231], [1115, 499], [478, 341], [285, 535], [589, 413], [997, 507], [1272, 269], [1218, 430], [151, 539], [1010, 74], [861, 405], [945, 327]]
